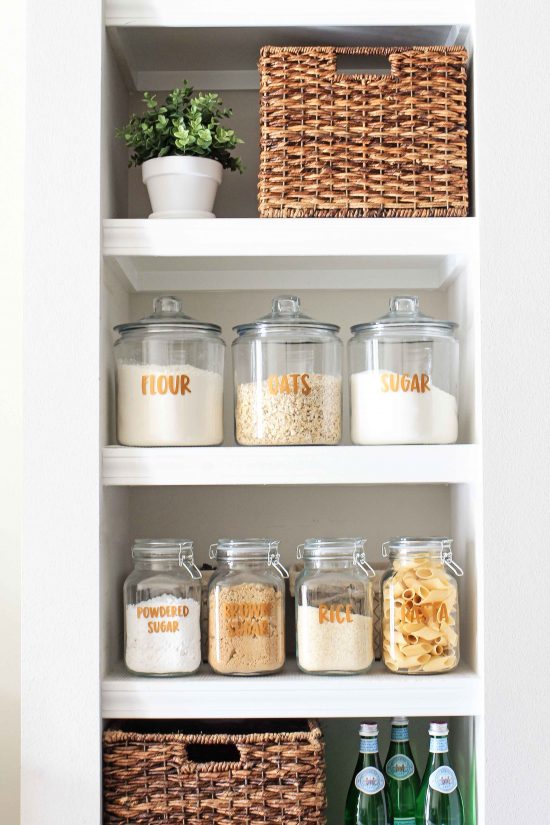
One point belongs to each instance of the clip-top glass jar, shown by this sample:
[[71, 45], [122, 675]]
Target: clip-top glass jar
[[334, 612], [288, 378], [404, 378], [162, 609], [420, 625], [169, 379], [246, 607]]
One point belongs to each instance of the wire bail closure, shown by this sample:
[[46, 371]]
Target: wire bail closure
[[191, 567], [445, 554], [360, 560], [274, 560]]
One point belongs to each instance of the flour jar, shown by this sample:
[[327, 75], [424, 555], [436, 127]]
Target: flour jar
[[420, 620], [334, 607], [169, 379], [288, 378], [162, 609], [246, 607], [404, 378]]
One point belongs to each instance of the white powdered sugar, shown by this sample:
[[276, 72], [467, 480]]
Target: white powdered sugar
[[383, 413], [163, 635]]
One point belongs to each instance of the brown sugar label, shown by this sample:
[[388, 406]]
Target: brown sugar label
[[166, 616], [292, 383], [248, 618], [165, 384], [393, 382], [335, 613]]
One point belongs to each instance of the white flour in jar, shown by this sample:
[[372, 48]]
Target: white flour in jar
[[400, 417], [163, 635], [168, 406], [330, 646]]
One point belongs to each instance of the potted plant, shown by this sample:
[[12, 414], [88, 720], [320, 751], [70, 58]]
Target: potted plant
[[182, 149]]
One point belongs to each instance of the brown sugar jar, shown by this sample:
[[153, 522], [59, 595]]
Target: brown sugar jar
[[246, 608]]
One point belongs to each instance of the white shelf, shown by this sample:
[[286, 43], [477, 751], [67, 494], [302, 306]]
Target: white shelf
[[290, 693], [309, 253], [230, 466]]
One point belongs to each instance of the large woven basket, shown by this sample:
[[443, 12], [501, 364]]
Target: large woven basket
[[341, 145], [248, 774]]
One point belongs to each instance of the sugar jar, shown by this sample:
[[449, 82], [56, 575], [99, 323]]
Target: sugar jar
[[420, 622], [169, 379], [162, 609], [246, 607], [288, 378], [404, 378], [334, 607]]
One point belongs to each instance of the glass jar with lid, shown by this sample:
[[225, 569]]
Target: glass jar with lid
[[246, 607], [334, 608], [288, 378], [404, 378], [420, 623], [162, 609], [169, 379]]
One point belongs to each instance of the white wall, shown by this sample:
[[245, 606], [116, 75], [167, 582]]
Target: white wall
[[513, 66], [12, 74]]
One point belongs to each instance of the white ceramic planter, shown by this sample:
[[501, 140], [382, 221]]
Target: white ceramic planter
[[182, 187]]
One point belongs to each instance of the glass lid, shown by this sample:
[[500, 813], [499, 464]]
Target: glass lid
[[162, 549], [334, 549], [405, 316], [440, 546], [167, 315], [285, 312], [249, 550]]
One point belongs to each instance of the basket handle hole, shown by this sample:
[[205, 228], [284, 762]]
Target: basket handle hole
[[368, 64], [213, 753]]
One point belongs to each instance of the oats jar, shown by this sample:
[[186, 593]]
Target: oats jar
[[420, 621], [288, 378], [334, 607]]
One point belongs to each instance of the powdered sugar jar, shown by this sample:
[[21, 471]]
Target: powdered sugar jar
[[162, 609], [404, 378], [169, 379]]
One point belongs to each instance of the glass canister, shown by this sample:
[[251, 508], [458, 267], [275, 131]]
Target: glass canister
[[334, 609], [246, 607], [162, 609], [288, 378], [169, 379], [404, 378], [420, 623]]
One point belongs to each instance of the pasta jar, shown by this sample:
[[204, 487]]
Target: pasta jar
[[169, 379], [404, 378], [288, 378], [420, 627], [334, 611], [162, 609], [246, 607]]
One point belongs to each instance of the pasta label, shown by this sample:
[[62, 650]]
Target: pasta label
[[443, 780], [370, 781], [400, 767]]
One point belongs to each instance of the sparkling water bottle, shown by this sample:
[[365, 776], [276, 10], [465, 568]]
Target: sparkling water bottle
[[368, 802], [402, 779], [439, 801]]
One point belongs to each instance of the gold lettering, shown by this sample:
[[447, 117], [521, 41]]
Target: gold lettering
[[306, 388]]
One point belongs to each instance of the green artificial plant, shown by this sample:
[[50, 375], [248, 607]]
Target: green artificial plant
[[183, 125]]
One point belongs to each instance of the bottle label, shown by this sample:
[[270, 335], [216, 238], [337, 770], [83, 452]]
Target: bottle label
[[439, 744], [404, 820], [370, 781], [443, 780], [400, 734], [368, 745], [400, 767]]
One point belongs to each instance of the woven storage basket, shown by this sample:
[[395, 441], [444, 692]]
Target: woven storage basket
[[340, 145], [150, 778]]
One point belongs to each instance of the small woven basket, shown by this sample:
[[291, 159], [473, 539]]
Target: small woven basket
[[341, 145], [249, 778]]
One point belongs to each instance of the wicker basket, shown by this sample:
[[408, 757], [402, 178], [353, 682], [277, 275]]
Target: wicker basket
[[255, 773], [340, 145]]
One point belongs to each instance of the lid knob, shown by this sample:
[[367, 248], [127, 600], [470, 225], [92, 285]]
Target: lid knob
[[285, 305], [166, 305], [404, 304]]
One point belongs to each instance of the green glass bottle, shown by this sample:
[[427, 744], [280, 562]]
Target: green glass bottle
[[402, 779], [368, 802], [439, 801]]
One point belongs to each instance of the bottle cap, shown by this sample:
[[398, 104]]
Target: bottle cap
[[368, 729], [439, 729], [400, 720]]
